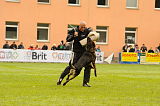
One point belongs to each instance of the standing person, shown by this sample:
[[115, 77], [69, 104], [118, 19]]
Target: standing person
[[98, 49], [125, 47], [143, 48], [6, 45], [20, 46], [13, 45], [77, 34]]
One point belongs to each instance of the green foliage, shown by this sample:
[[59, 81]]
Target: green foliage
[[34, 84]]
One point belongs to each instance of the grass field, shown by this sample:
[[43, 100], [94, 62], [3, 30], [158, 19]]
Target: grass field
[[34, 84]]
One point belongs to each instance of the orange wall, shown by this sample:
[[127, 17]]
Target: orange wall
[[28, 13]]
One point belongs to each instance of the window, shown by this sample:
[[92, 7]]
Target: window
[[44, 1], [42, 32], [130, 34], [73, 2], [103, 3], [11, 31], [103, 32], [157, 4], [13, 0], [71, 26], [132, 3]]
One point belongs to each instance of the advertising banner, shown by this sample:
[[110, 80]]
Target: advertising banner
[[150, 58], [57, 56], [130, 57], [153, 57]]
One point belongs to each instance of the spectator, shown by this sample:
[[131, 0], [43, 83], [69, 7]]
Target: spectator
[[156, 50], [137, 50], [125, 47], [69, 45], [54, 47], [45, 47], [98, 49], [150, 50], [20, 46], [132, 49], [66, 46], [61, 46], [6, 45], [13, 45], [31, 47], [37, 48], [159, 47], [128, 48], [143, 48]]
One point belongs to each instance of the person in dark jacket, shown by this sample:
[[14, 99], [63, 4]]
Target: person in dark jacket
[[20, 46], [143, 48], [54, 47], [13, 45], [45, 47], [151, 50], [6, 45], [124, 48], [76, 35]]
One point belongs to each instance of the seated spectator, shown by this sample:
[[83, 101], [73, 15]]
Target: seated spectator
[[20, 46], [143, 48], [61, 46], [159, 47], [6, 45], [13, 45], [54, 47], [150, 50], [45, 47], [98, 49], [37, 48], [125, 47], [156, 50], [31, 47]]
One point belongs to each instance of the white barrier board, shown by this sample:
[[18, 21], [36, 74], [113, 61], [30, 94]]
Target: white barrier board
[[20, 55]]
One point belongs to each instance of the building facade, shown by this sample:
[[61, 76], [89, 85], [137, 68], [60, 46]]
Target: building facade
[[42, 22]]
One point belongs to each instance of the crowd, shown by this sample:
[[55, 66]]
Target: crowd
[[143, 49], [61, 46]]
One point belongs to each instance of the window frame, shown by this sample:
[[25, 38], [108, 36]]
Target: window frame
[[74, 4], [44, 2], [103, 30], [130, 32], [40, 27], [103, 6], [155, 6], [12, 1], [17, 26], [133, 7]]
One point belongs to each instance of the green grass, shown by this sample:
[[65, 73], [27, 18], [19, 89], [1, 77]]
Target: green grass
[[34, 84]]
